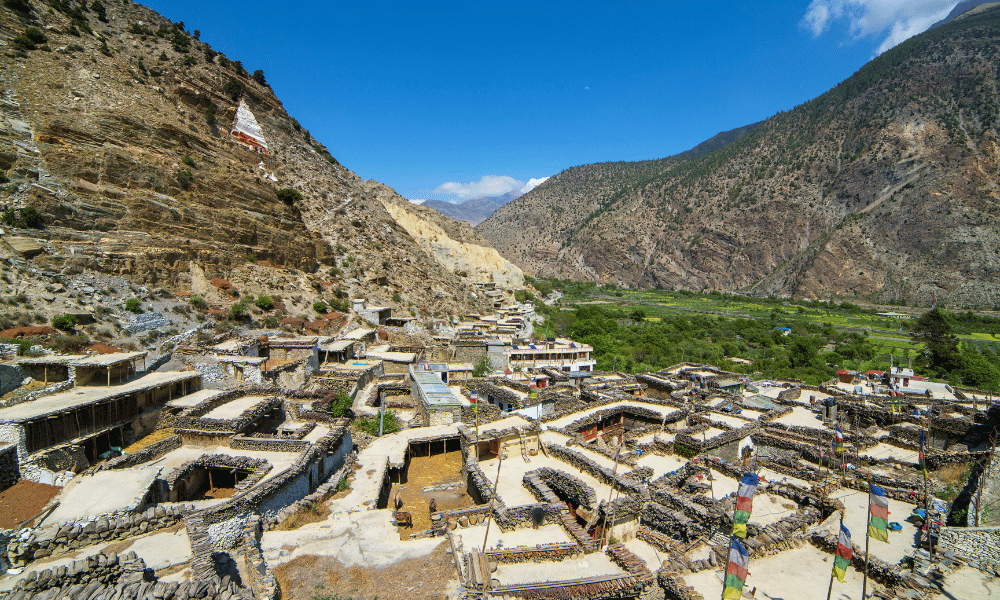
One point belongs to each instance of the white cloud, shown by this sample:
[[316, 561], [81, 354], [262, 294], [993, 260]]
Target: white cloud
[[488, 185], [533, 183], [417, 201], [898, 20]]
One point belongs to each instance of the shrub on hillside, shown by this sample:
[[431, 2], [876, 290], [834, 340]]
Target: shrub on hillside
[[198, 302], [133, 305], [64, 322], [288, 195], [264, 302]]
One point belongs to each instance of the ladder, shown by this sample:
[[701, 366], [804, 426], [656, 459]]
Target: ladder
[[524, 445]]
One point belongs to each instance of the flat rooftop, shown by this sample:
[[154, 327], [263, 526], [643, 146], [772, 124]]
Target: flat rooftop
[[52, 360], [235, 408], [103, 492], [398, 357], [337, 346], [194, 399], [108, 360], [358, 334], [82, 396]]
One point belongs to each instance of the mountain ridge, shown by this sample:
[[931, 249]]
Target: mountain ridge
[[817, 201], [474, 210]]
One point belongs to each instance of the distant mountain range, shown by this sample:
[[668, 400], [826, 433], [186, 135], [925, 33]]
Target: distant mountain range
[[885, 188], [475, 210], [963, 8]]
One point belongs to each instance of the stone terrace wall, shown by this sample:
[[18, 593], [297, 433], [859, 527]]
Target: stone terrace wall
[[625, 484], [263, 583], [191, 419], [571, 487], [145, 455], [108, 576], [226, 522], [10, 473], [67, 537], [980, 545]]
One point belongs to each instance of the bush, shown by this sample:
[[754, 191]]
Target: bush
[[185, 179], [320, 307], [23, 43], [27, 218], [288, 196], [132, 305], [258, 76], [198, 302], [35, 35], [64, 322], [210, 115], [187, 160], [369, 425], [340, 405], [251, 257], [21, 6], [396, 297], [264, 302], [238, 310], [102, 13], [233, 89]]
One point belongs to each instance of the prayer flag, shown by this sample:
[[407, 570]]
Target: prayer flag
[[736, 572], [838, 440], [845, 552], [744, 504], [878, 513]]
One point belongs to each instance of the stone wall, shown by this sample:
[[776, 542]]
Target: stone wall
[[145, 455], [11, 377], [106, 576], [32, 544], [225, 522], [263, 583], [192, 418], [979, 545], [321, 493], [10, 472]]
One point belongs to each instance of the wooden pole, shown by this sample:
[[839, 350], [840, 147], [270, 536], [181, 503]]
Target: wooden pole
[[489, 514], [614, 477], [830, 590], [864, 582], [725, 569]]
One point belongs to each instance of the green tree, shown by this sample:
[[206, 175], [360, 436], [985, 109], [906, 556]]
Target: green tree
[[934, 330], [198, 302], [320, 307], [133, 305], [258, 76], [638, 315], [481, 367]]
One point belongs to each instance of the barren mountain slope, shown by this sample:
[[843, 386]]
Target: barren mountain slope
[[123, 148], [883, 188]]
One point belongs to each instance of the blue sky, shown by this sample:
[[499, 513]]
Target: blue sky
[[455, 100]]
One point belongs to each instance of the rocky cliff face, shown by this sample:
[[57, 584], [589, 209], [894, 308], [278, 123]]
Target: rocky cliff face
[[450, 243], [884, 188], [119, 138]]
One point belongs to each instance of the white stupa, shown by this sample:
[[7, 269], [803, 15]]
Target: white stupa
[[246, 130]]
